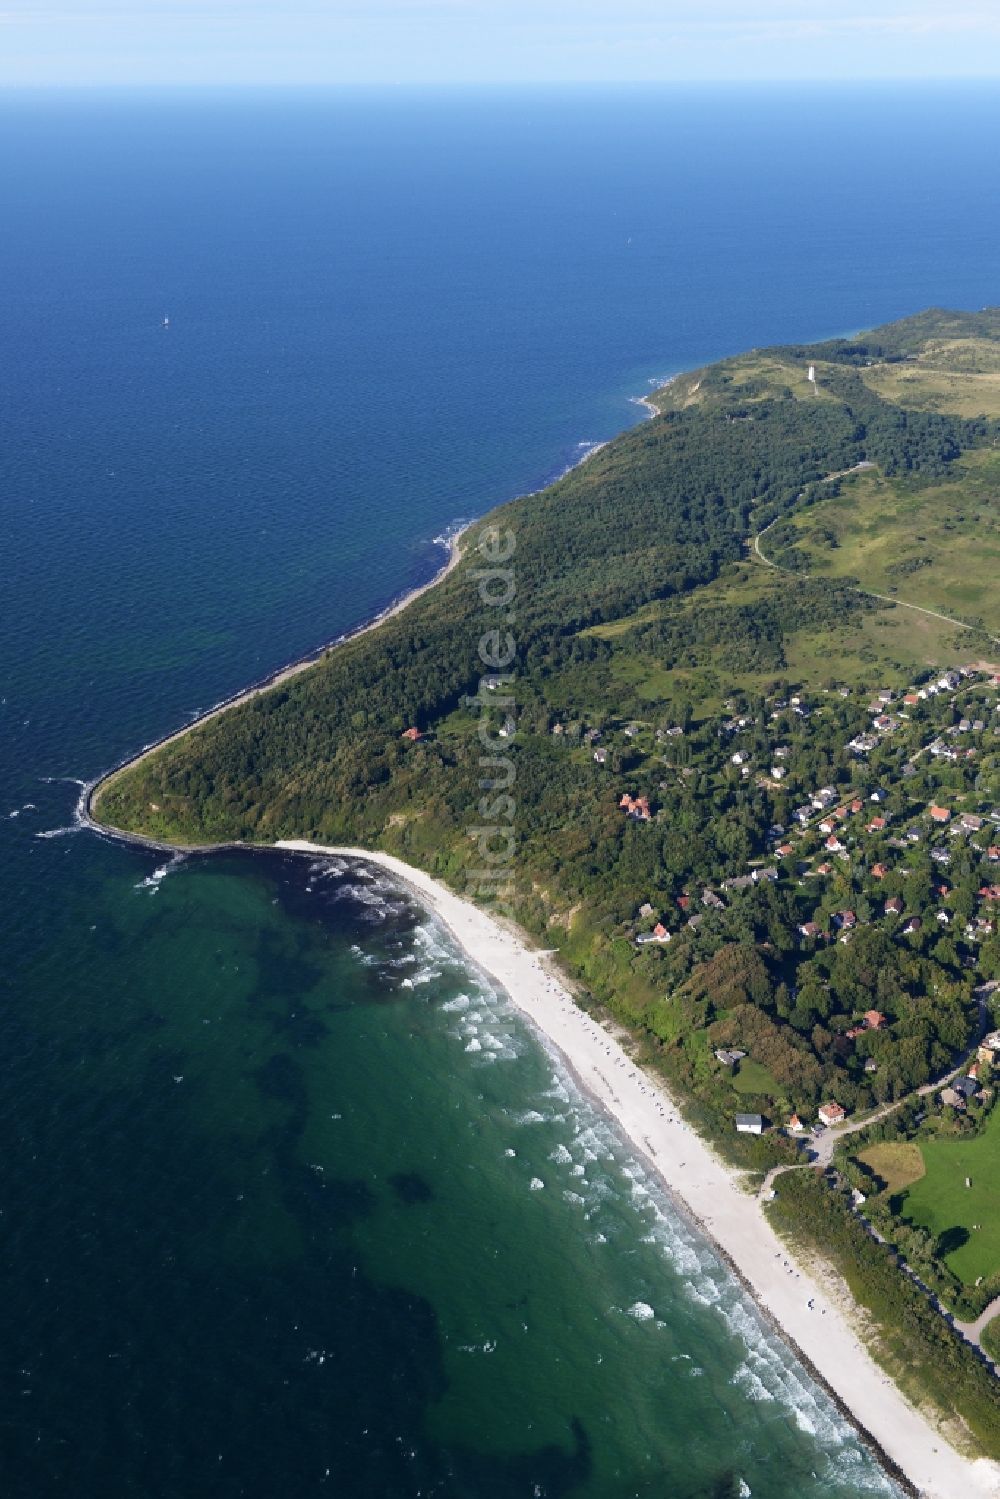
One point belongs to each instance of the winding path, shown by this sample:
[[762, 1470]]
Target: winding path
[[960, 624]]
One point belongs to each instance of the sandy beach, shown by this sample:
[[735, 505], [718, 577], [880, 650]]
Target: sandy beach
[[732, 1218]]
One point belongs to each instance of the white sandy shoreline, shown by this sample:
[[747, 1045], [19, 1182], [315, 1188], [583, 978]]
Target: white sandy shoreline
[[731, 1217]]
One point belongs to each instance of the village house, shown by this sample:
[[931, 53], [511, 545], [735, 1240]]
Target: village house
[[600, 757], [749, 1124], [894, 905], [795, 1125], [877, 825], [728, 1057], [658, 934], [872, 1020], [879, 871], [635, 806], [811, 930], [989, 1047], [845, 920], [831, 1113], [912, 925], [939, 814], [413, 735]]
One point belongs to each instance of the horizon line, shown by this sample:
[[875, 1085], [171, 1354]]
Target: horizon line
[[441, 86]]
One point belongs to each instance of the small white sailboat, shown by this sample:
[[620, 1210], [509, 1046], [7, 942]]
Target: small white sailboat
[[166, 322]]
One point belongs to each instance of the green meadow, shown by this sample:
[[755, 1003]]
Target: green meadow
[[970, 1216]]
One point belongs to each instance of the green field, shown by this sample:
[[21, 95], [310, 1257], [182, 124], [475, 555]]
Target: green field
[[935, 545], [954, 375], [940, 1200], [864, 650], [752, 1078], [898, 1163]]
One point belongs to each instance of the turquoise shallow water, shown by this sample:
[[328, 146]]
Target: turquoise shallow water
[[318, 1209], [260, 1231]]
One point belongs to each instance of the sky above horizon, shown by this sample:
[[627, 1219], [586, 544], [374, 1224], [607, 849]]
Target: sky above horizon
[[89, 43]]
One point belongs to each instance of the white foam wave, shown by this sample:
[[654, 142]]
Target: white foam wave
[[153, 881]]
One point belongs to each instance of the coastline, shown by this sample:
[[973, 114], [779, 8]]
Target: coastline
[[707, 1190], [91, 792], [711, 1194], [86, 808]]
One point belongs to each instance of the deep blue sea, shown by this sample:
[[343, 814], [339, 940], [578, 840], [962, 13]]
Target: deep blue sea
[[269, 1151]]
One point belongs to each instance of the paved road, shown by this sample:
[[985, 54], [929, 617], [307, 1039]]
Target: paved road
[[973, 1331]]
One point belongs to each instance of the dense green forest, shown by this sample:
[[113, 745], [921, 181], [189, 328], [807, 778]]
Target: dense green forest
[[616, 636]]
